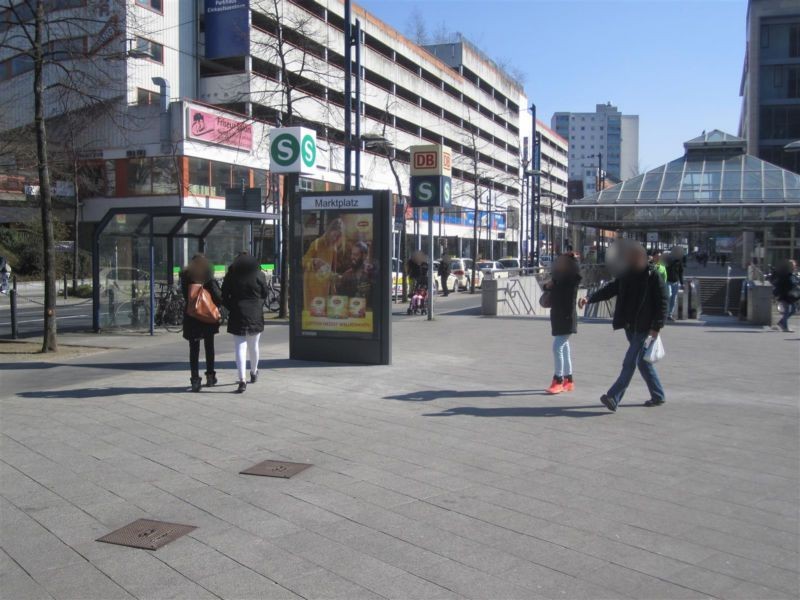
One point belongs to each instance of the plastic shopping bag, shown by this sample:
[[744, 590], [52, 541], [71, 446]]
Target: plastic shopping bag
[[654, 349]]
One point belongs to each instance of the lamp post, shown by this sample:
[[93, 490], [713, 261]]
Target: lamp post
[[535, 188]]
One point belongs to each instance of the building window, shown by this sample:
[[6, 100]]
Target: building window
[[149, 49], [199, 177], [164, 175], [140, 180], [220, 178], [765, 36], [146, 97], [156, 5], [793, 82], [777, 76], [794, 41]]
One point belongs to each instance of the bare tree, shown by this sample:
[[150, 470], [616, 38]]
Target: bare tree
[[294, 43], [416, 29], [53, 45]]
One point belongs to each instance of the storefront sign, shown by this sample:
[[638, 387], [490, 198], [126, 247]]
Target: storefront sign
[[227, 28], [215, 129], [341, 290], [431, 159], [292, 150]]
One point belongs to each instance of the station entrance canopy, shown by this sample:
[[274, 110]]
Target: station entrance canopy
[[138, 250], [714, 185]]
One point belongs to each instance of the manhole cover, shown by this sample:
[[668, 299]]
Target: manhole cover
[[146, 534], [276, 468]]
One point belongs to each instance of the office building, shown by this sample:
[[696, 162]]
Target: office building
[[770, 87], [601, 143]]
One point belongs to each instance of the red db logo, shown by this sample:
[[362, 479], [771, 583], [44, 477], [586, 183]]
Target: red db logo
[[425, 160]]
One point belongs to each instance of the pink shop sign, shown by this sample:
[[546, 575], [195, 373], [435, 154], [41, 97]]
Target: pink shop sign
[[208, 127]]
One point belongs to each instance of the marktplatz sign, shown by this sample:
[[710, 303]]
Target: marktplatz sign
[[292, 150]]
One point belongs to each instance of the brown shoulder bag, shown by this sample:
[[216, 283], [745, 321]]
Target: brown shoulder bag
[[201, 306]]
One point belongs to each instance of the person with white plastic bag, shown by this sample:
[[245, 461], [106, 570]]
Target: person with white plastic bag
[[654, 349], [640, 310]]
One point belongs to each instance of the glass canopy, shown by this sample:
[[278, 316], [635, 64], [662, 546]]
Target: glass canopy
[[713, 174]]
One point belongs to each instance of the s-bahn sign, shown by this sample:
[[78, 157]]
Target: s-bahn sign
[[431, 190], [292, 150]]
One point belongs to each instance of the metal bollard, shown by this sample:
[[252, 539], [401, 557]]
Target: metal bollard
[[13, 301]]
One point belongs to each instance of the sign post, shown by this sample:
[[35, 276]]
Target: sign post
[[431, 187], [341, 277]]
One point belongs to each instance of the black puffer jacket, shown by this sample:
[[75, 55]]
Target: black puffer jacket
[[675, 271], [786, 286], [563, 303], [243, 292], [642, 300], [192, 328]]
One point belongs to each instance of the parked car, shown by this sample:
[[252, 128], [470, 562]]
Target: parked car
[[512, 264], [452, 280], [462, 269], [492, 269]]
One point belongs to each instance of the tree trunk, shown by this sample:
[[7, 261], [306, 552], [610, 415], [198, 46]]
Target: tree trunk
[[474, 242], [403, 259], [50, 341]]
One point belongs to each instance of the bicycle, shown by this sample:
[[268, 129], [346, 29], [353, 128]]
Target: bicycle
[[170, 308], [272, 302]]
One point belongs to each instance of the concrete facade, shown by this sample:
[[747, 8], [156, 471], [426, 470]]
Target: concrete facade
[[770, 87]]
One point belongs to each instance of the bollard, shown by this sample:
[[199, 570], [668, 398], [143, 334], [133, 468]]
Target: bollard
[[13, 302], [65, 286]]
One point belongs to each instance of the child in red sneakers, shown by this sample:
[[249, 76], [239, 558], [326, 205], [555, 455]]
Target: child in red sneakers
[[563, 288]]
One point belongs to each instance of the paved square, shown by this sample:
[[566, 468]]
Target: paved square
[[447, 475]]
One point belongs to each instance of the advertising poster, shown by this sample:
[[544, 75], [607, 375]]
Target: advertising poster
[[227, 28], [208, 127], [339, 266]]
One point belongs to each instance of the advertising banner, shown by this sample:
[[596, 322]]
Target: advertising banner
[[338, 264], [215, 129], [227, 28], [341, 277]]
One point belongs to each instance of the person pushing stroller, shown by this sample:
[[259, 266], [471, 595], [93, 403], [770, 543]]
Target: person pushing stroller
[[418, 273]]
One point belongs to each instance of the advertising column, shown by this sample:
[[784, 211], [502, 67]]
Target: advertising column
[[341, 277]]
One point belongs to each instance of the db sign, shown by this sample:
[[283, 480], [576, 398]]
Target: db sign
[[430, 191], [431, 159], [292, 150]]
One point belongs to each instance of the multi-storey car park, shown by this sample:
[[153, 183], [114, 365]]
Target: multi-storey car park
[[152, 78]]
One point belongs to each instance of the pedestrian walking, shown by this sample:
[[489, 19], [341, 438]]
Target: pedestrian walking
[[243, 292], [640, 311], [444, 273], [5, 274], [200, 324], [786, 289], [563, 289], [657, 262], [674, 268]]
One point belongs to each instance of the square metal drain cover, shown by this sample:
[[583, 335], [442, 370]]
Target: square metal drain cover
[[146, 534], [276, 468]]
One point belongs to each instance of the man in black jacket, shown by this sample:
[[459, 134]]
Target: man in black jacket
[[640, 310], [674, 280], [444, 273]]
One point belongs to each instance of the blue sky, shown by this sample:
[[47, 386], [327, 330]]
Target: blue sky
[[677, 64]]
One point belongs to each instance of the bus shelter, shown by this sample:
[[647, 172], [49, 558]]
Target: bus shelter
[[137, 253]]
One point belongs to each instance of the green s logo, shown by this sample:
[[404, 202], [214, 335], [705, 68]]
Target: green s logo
[[285, 149]]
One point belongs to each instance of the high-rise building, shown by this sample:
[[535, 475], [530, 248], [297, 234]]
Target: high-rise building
[[602, 142], [770, 87]]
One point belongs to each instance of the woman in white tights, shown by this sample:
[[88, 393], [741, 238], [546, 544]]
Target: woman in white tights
[[243, 292]]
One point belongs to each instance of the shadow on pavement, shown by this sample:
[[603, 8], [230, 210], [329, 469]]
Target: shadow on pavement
[[103, 392], [264, 363], [428, 395], [521, 411]]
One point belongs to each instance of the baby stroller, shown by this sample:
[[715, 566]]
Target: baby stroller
[[419, 299]]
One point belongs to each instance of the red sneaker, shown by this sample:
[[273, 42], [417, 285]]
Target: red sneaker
[[556, 387], [569, 385]]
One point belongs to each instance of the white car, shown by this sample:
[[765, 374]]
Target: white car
[[462, 269], [492, 269], [452, 280]]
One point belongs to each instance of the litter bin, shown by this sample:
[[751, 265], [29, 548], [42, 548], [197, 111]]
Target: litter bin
[[759, 304]]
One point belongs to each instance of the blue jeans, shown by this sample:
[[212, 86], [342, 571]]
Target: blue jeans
[[561, 355], [634, 357], [673, 297], [789, 308]]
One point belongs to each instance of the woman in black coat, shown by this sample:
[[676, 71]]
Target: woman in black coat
[[244, 290], [563, 288], [199, 271]]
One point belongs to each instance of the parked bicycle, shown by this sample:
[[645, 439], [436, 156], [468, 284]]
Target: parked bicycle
[[170, 307], [272, 302]]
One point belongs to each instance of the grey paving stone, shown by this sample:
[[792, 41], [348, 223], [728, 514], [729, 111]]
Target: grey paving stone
[[81, 580], [242, 582], [322, 585]]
